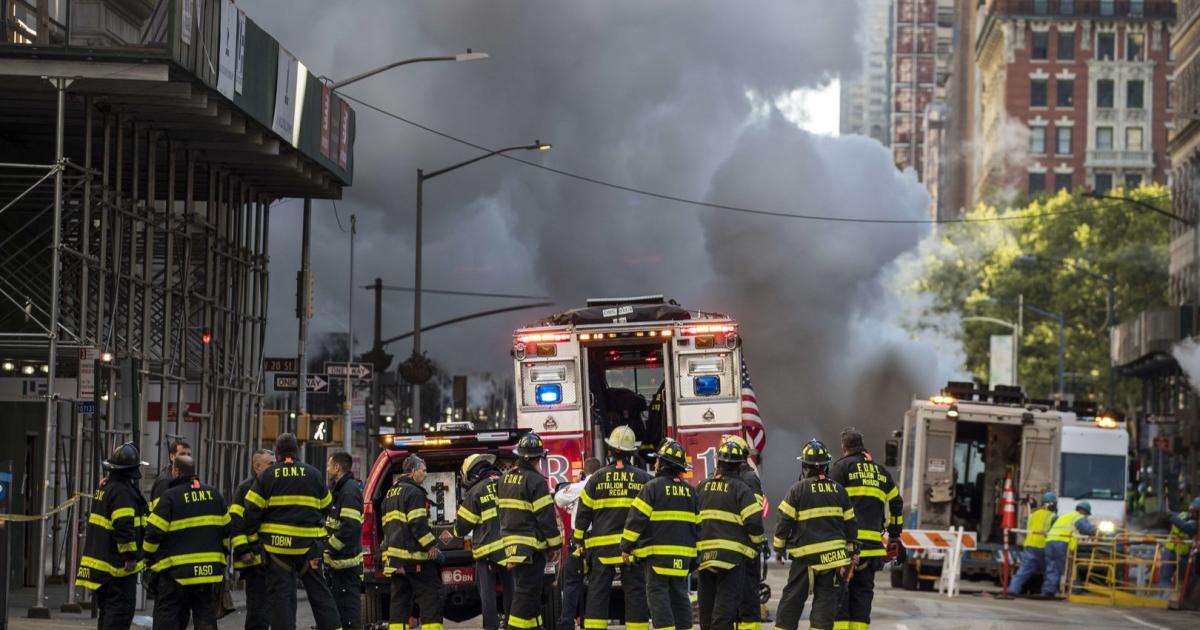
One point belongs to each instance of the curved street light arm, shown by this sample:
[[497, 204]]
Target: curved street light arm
[[537, 145]]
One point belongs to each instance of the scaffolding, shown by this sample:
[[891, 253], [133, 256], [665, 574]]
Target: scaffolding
[[1129, 569]]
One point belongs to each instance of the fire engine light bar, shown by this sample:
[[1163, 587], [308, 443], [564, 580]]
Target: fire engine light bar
[[942, 399], [544, 337], [708, 329], [548, 394], [1106, 422]]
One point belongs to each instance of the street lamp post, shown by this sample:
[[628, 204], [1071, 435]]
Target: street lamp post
[[422, 176], [1016, 352], [1062, 340]]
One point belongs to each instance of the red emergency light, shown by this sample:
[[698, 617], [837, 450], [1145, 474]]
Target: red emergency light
[[708, 329]]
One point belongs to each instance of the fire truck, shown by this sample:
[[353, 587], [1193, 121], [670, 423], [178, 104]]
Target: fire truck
[[957, 449]]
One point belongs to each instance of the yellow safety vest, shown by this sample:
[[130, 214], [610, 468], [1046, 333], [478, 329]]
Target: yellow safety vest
[[1179, 541], [1064, 528], [1039, 522]]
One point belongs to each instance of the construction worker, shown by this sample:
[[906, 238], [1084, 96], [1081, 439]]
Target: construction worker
[[187, 536], [731, 532], [1033, 556], [1179, 543], [661, 531], [749, 609], [599, 523], [253, 571], [818, 531], [1062, 536], [566, 497], [877, 506], [112, 555], [529, 529], [286, 508], [410, 549], [343, 555], [477, 517]]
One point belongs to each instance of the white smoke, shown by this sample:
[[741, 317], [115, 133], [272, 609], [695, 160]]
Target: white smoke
[[1187, 353]]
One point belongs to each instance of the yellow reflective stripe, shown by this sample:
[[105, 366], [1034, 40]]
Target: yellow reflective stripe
[[594, 624], [778, 542], [848, 514], [150, 547], [394, 515], [483, 550], [416, 513], [467, 515], [204, 557], [750, 510], [755, 625], [787, 510], [352, 514], [515, 504], [300, 500], [211, 579], [93, 586], [404, 554], [516, 539], [194, 521], [584, 498], [716, 564], [820, 512], [397, 626], [864, 491], [521, 622], [675, 515], [757, 538], [577, 534], [326, 500], [664, 550], [830, 565], [542, 502], [488, 514], [153, 504], [631, 535], [286, 551], [96, 519], [600, 541], [637, 625], [336, 544], [432, 625], [873, 553], [670, 572], [828, 545], [641, 506], [870, 535], [315, 531], [892, 494], [426, 540], [343, 563], [120, 513], [554, 541], [129, 546], [237, 509], [256, 499], [610, 503], [159, 522], [720, 515], [240, 540], [728, 545]]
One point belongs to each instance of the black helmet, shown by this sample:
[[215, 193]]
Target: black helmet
[[732, 451], [672, 453], [530, 445], [815, 454], [124, 457]]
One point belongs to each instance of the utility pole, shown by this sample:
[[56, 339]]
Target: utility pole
[[348, 403], [376, 349], [302, 312], [416, 349]]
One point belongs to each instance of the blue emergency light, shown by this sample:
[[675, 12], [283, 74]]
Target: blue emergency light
[[548, 394], [706, 385]]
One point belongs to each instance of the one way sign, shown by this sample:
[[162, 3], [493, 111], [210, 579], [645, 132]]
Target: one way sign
[[359, 371], [316, 383]]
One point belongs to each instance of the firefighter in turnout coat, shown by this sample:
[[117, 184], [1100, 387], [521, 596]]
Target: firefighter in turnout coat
[[818, 531], [410, 550], [477, 517], [731, 532], [343, 549], [112, 555], [529, 531], [661, 532], [187, 536], [252, 570], [877, 506], [599, 523], [750, 608]]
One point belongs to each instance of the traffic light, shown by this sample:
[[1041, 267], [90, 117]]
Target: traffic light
[[205, 336]]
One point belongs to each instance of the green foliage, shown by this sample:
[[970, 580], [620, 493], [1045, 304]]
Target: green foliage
[[973, 263]]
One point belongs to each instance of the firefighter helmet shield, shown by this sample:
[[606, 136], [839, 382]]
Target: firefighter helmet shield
[[124, 457], [815, 454], [530, 445], [672, 453], [623, 439], [732, 451]]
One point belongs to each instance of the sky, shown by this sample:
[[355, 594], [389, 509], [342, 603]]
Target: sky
[[697, 99]]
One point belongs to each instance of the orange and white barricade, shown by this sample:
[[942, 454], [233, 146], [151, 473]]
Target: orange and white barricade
[[953, 542]]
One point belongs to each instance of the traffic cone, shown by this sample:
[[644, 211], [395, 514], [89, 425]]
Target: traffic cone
[[1008, 505]]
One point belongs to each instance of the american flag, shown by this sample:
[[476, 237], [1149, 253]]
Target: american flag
[[756, 433]]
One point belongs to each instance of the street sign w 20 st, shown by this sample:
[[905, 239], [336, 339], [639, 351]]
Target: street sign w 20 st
[[316, 383]]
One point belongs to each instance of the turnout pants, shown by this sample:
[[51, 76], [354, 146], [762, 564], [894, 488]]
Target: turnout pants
[[633, 584], [572, 592], [283, 572], [827, 594], [528, 578], [720, 596], [116, 599], [1033, 561], [667, 595], [750, 608], [485, 577], [346, 587], [258, 612], [855, 611], [176, 602], [420, 584]]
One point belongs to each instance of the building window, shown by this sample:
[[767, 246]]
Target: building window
[[1104, 138], [1064, 140], [1037, 140], [1066, 45], [1041, 7], [1107, 8], [1064, 92], [1066, 7], [1062, 181], [1135, 46], [1106, 46], [1037, 92], [1137, 8], [1102, 183], [1133, 138], [1135, 92], [1041, 45], [1133, 180], [1037, 183], [1104, 93]]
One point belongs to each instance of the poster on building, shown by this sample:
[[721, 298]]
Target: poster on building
[[239, 71], [1000, 361], [344, 135], [227, 49], [326, 97], [285, 95], [185, 27]]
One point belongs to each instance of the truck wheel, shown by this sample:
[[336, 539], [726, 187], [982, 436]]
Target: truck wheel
[[908, 580], [897, 575]]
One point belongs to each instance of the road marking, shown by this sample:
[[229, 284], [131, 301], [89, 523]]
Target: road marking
[[901, 626], [1142, 623]]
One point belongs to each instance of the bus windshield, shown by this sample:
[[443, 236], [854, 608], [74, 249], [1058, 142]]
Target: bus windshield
[[1090, 476]]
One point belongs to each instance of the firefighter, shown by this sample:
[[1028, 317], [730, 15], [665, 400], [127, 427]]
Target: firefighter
[[661, 531], [731, 532], [187, 536], [477, 518], [409, 550], [1060, 538], [877, 506], [343, 549], [529, 529], [112, 555], [164, 479], [750, 609], [818, 531], [286, 508], [252, 571], [1033, 556], [603, 508]]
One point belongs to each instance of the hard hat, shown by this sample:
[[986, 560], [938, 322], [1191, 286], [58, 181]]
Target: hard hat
[[1049, 497], [672, 453], [737, 439], [1084, 506], [124, 457], [530, 445], [474, 459], [815, 454], [731, 451], [623, 439]]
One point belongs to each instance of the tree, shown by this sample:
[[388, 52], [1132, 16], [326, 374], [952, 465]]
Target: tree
[[972, 264]]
